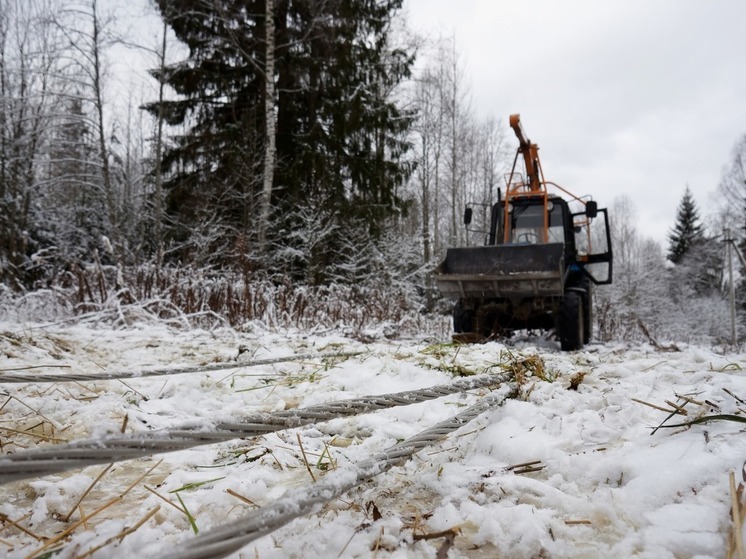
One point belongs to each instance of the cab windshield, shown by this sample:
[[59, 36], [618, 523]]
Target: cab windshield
[[527, 224]]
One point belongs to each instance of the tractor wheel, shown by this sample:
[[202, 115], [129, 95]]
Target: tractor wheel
[[587, 310], [571, 330], [463, 320]]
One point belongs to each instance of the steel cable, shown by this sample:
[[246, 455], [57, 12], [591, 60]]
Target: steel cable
[[226, 539], [17, 378], [116, 448]]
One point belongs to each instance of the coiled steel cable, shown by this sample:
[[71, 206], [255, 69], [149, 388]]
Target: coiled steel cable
[[223, 540], [17, 378], [116, 448]]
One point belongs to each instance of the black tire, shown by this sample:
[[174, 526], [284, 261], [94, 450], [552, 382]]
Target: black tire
[[587, 310], [570, 325], [463, 320]]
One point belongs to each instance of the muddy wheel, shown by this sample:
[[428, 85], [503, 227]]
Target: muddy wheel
[[571, 330]]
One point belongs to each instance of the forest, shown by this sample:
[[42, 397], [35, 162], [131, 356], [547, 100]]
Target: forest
[[299, 164]]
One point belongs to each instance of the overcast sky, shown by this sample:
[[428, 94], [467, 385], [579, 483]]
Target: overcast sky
[[636, 97]]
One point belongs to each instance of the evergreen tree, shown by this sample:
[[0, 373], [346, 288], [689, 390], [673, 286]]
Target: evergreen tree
[[686, 231], [698, 258], [339, 136]]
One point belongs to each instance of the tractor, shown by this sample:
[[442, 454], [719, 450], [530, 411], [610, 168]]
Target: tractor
[[545, 249]]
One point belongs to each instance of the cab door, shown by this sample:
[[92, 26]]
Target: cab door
[[593, 244]]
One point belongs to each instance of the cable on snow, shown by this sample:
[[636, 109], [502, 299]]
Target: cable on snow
[[17, 378], [116, 448], [226, 539]]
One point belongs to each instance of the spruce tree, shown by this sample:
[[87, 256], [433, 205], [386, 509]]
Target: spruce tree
[[687, 230], [340, 139]]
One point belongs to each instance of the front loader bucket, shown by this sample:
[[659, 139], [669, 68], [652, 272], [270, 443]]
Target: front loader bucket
[[509, 271]]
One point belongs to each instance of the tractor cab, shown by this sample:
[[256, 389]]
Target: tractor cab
[[530, 221]]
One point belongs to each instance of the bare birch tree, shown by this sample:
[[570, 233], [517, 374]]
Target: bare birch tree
[[88, 36], [270, 150], [157, 164], [28, 61], [460, 158], [457, 106], [733, 189]]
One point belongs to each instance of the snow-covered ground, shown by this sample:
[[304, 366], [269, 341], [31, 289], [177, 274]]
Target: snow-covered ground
[[602, 485]]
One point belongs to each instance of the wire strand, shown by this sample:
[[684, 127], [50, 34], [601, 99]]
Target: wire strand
[[116, 448], [226, 539], [18, 378]]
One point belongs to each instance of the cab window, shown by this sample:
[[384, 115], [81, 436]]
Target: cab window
[[527, 224]]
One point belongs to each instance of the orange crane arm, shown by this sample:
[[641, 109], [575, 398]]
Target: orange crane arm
[[530, 154]]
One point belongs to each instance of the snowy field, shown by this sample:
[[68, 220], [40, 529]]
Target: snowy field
[[554, 473]]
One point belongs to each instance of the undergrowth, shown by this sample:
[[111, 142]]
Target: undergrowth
[[189, 298]]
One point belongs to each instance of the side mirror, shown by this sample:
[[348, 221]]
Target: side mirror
[[467, 216], [591, 209]]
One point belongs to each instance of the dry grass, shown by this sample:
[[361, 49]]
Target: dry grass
[[122, 534], [305, 458], [25, 426], [189, 297], [57, 540]]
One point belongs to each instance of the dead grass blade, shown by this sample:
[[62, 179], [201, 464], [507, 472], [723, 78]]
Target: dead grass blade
[[739, 400], [143, 396], [123, 534], [677, 407], [708, 418], [449, 537], [529, 470], [241, 498], [678, 410], [37, 435], [70, 529], [690, 400], [305, 459], [654, 406], [66, 518], [523, 468], [54, 424], [15, 523], [164, 499]]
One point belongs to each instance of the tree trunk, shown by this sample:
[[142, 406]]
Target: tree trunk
[[158, 222], [111, 204], [270, 149]]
